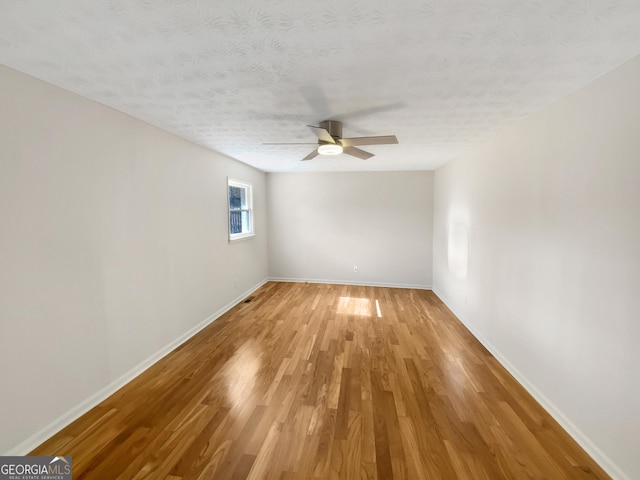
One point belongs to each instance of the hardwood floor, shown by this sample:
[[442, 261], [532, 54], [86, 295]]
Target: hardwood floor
[[324, 381]]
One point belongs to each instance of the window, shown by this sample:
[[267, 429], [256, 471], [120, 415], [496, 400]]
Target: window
[[240, 210]]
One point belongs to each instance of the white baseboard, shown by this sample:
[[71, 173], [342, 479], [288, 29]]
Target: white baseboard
[[350, 282], [58, 424], [585, 442]]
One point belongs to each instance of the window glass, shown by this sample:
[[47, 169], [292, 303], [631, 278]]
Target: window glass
[[240, 209]]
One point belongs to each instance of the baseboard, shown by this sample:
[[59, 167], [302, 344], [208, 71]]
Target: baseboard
[[349, 282], [596, 454], [47, 432]]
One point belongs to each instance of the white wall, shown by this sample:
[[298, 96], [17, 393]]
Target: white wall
[[113, 244], [321, 225], [552, 209]]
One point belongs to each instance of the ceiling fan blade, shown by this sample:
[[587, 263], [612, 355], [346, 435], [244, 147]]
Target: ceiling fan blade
[[322, 134], [356, 152], [381, 140], [290, 143], [313, 154]]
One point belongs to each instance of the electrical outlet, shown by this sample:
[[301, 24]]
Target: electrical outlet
[[235, 282], [355, 268]]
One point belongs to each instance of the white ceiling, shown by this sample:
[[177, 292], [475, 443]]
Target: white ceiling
[[442, 75]]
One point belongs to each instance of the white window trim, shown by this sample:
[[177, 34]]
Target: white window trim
[[236, 237]]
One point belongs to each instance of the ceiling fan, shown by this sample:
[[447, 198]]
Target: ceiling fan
[[330, 141]]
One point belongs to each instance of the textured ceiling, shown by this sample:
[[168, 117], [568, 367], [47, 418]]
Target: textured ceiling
[[442, 75]]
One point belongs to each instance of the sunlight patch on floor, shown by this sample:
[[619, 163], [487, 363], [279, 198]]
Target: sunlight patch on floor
[[354, 306]]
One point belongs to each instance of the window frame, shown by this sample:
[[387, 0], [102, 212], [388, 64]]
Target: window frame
[[248, 187]]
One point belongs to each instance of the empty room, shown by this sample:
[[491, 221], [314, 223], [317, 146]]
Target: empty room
[[316, 240]]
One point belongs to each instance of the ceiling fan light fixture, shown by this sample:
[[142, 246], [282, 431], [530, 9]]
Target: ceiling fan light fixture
[[330, 149]]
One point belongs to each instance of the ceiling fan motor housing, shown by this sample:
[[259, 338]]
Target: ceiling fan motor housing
[[333, 127]]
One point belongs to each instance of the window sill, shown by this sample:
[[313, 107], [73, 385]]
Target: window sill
[[241, 238]]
